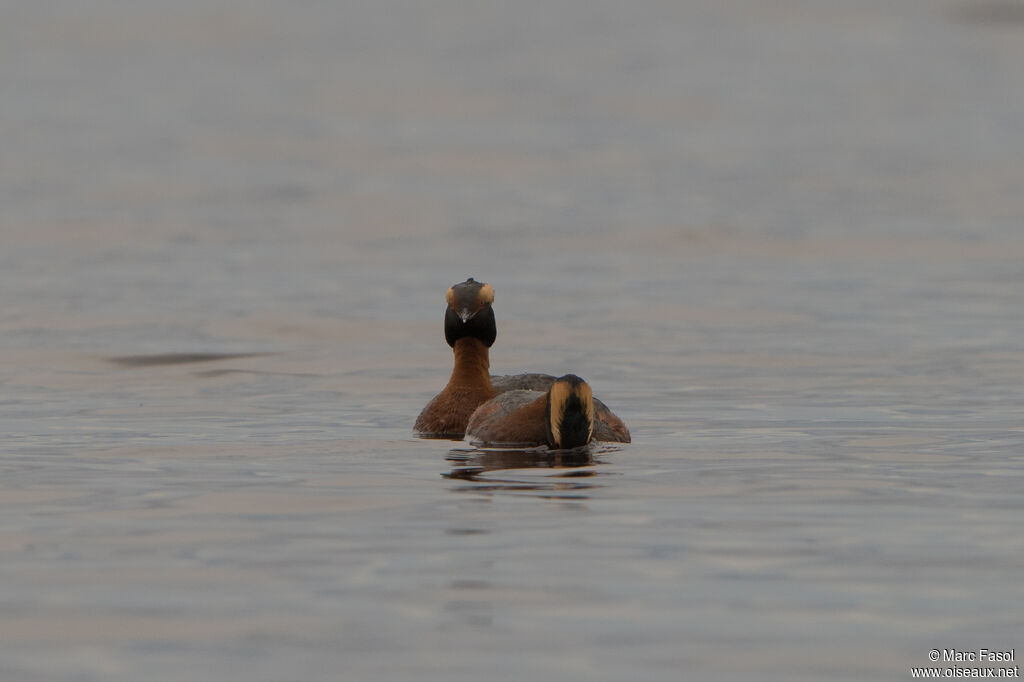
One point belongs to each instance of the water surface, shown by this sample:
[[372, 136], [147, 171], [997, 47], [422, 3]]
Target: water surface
[[781, 240]]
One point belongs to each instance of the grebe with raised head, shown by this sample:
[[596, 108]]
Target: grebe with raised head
[[470, 330]]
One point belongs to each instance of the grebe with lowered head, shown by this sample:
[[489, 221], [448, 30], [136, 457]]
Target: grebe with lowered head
[[563, 417], [470, 330]]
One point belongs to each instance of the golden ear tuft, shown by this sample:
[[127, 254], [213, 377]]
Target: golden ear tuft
[[559, 394], [566, 389], [450, 297], [486, 294]]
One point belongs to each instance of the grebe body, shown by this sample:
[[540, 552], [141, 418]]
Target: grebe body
[[564, 416]]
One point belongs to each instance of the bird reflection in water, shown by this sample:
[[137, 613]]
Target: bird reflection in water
[[573, 478]]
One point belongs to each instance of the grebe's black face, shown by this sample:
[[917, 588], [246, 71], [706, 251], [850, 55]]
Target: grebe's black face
[[469, 313], [570, 413]]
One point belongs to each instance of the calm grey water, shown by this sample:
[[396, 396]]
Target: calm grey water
[[781, 240]]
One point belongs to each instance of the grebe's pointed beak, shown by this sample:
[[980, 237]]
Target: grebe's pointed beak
[[465, 314]]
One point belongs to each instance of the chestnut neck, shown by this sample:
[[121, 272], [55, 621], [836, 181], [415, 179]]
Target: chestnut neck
[[472, 365]]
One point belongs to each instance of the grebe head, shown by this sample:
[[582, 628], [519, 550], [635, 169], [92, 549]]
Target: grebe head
[[469, 312], [570, 413]]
